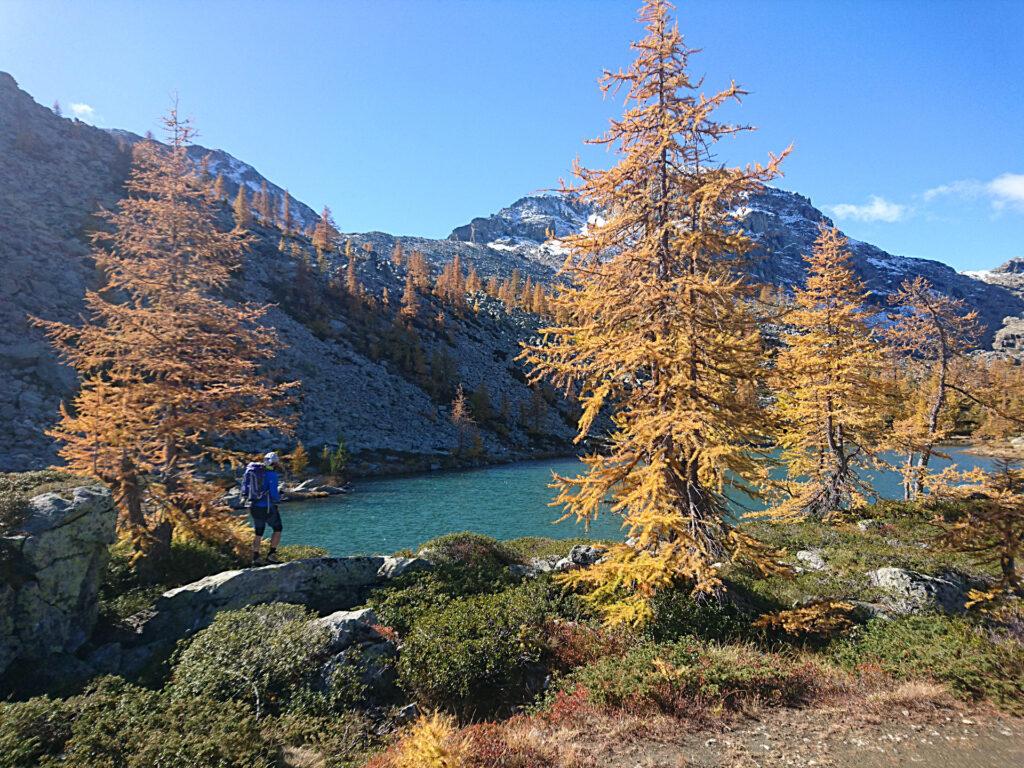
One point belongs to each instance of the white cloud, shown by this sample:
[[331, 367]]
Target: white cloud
[[876, 209], [1008, 189], [81, 110], [1003, 191]]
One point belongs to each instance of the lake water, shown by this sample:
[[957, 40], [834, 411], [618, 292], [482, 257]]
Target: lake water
[[508, 501]]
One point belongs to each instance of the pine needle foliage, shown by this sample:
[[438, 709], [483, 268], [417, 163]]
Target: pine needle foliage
[[656, 328], [989, 524], [823, 619], [168, 369], [433, 741], [829, 379]]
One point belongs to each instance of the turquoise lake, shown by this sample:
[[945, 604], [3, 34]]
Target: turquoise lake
[[507, 501]]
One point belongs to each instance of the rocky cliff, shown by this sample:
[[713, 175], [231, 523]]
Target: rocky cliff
[[55, 173], [52, 565]]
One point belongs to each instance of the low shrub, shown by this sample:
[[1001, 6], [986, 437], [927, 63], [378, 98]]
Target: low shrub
[[477, 655], [34, 732], [124, 593], [468, 548], [418, 593], [691, 678], [341, 740], [300, 552], [678, 614], [526, 548], [571, 644], [119, 725], [267, 657], [975, 662]]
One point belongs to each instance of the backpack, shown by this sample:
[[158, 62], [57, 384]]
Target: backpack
[[254, 482]]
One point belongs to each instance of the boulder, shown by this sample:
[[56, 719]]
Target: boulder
[[349, 627], [325, 584], [811, 559], [580, 556], [868, 525], [355, 641], [48, 604], [908, 592]]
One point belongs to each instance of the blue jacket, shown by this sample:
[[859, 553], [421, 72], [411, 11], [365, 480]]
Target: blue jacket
[[273, 492]]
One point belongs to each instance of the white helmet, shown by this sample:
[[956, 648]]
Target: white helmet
[[270, 459]]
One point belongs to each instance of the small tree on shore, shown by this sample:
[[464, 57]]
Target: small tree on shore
[[168, 369], [299, 460], [829, 382], [657, 331], [931, 331]]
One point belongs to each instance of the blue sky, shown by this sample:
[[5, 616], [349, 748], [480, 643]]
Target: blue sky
[[412, 116]]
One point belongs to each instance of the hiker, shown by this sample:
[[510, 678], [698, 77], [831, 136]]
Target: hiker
[[260, 490]]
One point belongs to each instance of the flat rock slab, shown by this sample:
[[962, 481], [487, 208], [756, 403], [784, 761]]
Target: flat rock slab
[[324, 584]]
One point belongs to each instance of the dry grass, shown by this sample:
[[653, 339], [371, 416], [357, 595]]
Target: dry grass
[[911, 696]]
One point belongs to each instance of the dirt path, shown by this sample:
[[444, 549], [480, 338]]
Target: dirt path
[[872, 732], [827, 738]]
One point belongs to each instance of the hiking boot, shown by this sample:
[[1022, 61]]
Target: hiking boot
[[272, 558], [256, 560]]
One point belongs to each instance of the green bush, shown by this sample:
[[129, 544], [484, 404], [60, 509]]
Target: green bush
[[119, 725], [677, 614], [975, 662], [477, 654], [123, 593], [689, 677], [343, 740], [34, 732], [412, 595], [266, 656]]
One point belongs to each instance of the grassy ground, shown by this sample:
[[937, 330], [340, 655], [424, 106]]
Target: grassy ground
[[532, 680]]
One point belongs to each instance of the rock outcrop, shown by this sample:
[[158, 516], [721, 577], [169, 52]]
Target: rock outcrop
[[356, 641], [55, 560], [907, 592], [324, 584]]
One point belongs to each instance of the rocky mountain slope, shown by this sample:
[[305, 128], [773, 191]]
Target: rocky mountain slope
[[360, 381], [1009, 276], [784, 226], [55, 173]]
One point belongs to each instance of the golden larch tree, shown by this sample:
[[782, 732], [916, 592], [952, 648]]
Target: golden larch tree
[[286, 214], [168, 369], [325, 235], [473, 283], [397, 255], [219, 191], [418, 269], [986, 519], [410, 299], [929, 334], [657, 330], [829, 382], [243, 214]]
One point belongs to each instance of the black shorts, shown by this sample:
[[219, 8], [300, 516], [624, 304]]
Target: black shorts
[[262, 517]]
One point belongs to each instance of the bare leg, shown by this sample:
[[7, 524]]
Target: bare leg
[[275, 539]]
